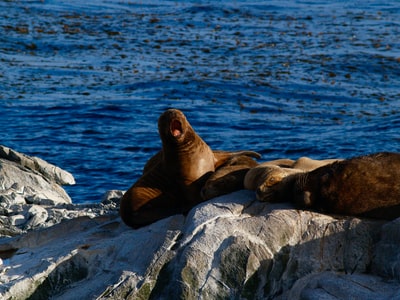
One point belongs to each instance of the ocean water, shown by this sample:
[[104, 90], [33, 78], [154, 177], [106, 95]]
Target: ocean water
[[82, 83]]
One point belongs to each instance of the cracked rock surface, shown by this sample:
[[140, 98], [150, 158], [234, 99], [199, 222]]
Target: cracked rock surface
[[231, 247]]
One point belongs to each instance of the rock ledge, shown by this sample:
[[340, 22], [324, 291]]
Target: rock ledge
[[231, 247]]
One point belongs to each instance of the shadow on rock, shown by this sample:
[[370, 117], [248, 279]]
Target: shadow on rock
[[231, 247]]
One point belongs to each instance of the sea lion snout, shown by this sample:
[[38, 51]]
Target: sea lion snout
[[172, 123], [176, 128]]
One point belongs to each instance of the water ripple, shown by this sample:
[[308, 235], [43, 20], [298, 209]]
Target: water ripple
[[82, 83]]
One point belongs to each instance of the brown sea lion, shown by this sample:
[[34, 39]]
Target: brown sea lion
[[228, 177], [308, 164], [361, 186], [265, 178], [273, 176], [172, 178], [258, 174]]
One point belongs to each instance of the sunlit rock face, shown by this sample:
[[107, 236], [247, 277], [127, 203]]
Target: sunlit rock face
[[30, 188], [231, 247]]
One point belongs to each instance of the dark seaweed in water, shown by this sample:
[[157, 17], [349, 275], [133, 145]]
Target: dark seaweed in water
[[83, 82]]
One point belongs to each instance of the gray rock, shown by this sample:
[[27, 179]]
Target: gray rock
[[29, 187], [329, 285], [18, 185], [38, 165], [37, 216], [231, 247]]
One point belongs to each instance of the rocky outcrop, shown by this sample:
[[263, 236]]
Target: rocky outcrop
[[30, 188], [231, 247]]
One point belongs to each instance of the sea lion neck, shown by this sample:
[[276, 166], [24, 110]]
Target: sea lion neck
[[184, 143]]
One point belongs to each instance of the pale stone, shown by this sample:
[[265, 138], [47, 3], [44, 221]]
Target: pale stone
[[49, 171], [17, 220], [37, 216], [232, 247]]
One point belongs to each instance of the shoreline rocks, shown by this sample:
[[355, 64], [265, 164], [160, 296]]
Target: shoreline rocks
[[230, 247], [31, 194]]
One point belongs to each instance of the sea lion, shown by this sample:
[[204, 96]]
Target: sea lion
[[228, 177], [172, 178], [273, 176], [265, 177], [308, 164], [362, 186], [258, 174]]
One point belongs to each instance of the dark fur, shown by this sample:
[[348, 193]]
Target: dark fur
[[228, 178], [361, 186]]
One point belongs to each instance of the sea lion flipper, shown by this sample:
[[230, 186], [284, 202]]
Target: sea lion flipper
[[229, 177], [221, 157], [150, 199]]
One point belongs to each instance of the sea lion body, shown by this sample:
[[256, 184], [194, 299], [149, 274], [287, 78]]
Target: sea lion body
[[172, 178], [308, 164], [361, 186], [258, 174], [228, 178], [273, 178], [270, 180]]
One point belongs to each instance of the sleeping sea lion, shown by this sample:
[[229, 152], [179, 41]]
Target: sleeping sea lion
[[172, 178], [308, 164], [228, 178], [273, 176], [362, 186], [266, 177], [258, 174]]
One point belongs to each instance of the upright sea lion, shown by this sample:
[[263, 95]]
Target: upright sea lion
[[173, 177], [228, 178], [361, 186]]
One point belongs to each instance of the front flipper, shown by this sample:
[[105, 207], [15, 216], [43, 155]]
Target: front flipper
[[150, 199], [228, 177]]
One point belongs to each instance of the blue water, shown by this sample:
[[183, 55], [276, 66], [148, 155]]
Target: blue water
[[82, 83]]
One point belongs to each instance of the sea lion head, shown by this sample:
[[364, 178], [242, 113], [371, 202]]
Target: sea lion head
[[174, 128], [303, 196], [276, 184], [307, 191]]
